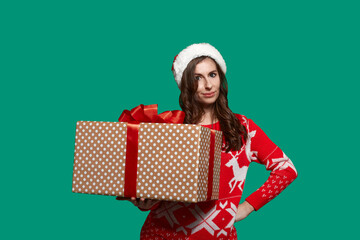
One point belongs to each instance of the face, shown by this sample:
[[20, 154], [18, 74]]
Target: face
[[208, 82]]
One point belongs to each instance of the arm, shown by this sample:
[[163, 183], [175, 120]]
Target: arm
[[283, 172], [243, 210]]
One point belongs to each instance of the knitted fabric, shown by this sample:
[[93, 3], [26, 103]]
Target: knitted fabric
[[215, 219]]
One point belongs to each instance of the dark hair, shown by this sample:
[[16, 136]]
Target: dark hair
[[229, 123]]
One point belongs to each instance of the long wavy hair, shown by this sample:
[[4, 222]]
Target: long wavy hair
[[229, 123]]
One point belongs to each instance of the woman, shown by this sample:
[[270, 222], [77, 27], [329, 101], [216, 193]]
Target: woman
[[199, 71]]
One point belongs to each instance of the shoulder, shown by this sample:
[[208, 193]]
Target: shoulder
[[246, 122], [242, 118]]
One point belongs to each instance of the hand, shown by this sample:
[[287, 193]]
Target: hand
[[243, 211], [142, 203]]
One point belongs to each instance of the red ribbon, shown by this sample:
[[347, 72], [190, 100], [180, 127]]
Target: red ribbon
[[131, 160], [211, 164], [148, 113]]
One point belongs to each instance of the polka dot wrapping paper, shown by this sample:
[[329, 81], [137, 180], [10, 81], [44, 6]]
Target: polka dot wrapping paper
[[172, 164]]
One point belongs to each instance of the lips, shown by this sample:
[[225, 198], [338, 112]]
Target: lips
[[208, 95]]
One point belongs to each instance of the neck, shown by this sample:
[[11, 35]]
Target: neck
[[208, 117]]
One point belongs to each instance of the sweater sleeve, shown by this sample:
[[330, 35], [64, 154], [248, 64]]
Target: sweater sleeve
[[152, 208], [262, 150]]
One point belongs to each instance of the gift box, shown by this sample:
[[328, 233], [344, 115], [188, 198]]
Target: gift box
[[164, 161]]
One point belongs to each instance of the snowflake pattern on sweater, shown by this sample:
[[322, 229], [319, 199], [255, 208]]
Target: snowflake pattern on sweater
[[215, 219]]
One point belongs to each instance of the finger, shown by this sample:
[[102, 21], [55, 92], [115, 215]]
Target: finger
[[135, 203], [133, 200], [142, 199]]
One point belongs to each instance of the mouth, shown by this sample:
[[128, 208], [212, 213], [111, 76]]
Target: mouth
[[208, 95]]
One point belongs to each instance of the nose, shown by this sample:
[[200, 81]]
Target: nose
[[208, 84]]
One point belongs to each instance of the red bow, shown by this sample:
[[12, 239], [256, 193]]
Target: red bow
[[148, 113]]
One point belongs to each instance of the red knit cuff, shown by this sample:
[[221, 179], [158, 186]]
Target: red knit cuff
[[256, 200], [273, 186]]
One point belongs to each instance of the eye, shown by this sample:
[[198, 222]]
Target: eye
[[213, 75], [197, 77]]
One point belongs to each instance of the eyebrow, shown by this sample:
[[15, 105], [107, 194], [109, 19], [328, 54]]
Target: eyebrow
[[209, 72]]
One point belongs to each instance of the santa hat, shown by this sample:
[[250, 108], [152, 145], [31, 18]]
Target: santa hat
[[193, 51]]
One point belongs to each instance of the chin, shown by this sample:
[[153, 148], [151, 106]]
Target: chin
[[208, 102]]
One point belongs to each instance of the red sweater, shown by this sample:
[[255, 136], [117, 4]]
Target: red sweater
[[215, 219]]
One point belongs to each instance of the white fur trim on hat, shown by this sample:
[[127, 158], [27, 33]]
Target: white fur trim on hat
[[195, 50]]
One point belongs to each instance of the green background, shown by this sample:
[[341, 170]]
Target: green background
[[293, 67]]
